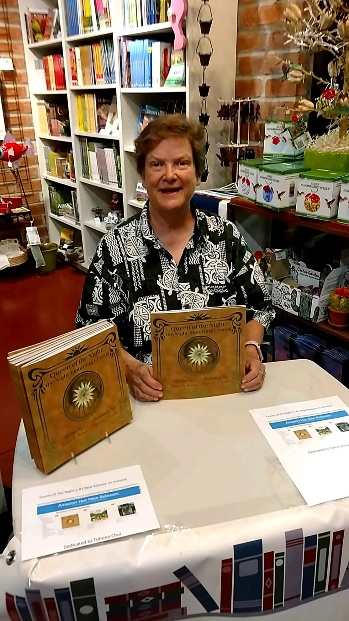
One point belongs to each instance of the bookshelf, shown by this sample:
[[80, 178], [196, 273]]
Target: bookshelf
[[91, 192]]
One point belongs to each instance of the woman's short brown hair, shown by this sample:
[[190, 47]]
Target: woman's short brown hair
[[167, 125]]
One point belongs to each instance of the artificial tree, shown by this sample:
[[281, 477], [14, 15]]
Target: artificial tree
[[323, 25]]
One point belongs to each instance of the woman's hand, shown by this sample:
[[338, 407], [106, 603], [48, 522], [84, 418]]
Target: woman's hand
[[141, 382], [254, 374]]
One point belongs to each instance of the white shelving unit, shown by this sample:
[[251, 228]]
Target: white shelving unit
[[220, 75]]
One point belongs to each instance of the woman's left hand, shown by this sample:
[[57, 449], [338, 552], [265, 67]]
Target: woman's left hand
[[254, 375]]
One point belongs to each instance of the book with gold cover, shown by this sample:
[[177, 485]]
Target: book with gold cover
[[199, 353], [72, 391]]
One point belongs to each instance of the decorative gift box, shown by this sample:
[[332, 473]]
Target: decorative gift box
[[248, 176], [318, 193], [343, 204], [306, 292], [287, 138], [277, 184]]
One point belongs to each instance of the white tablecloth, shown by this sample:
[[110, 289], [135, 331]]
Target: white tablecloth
[[236, 537]]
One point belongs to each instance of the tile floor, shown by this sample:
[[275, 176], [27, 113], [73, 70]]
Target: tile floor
[[33, 308]]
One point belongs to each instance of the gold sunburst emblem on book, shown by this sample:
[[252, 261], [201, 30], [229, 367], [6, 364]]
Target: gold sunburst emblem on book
[[83, 396], [198, 355]]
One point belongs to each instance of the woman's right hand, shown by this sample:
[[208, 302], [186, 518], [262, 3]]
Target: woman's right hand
[[141, 382]]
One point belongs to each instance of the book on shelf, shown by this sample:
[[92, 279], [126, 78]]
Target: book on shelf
[[111, 126], [52, 27], [92, 64], [161, 62], [145, 63], [63, 202], [35, 22], [53, 71], [199, 353], [97, 113], [147, 113], [59, 163], [85, 16], [53, 118], [176, 75], [72, 391], [138, 13], [101, 162]]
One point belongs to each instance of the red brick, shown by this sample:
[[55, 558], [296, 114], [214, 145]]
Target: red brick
[[12, 3], [255, 132], [24, 106], [14, 48], [277, 88], [37, 210], [249, 41], [264, 16], [248, 88], [276, 41], [258, 65], [20, 77], [29, 133], [10, 91]]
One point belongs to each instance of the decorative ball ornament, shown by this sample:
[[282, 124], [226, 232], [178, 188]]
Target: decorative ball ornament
[[326, 103]]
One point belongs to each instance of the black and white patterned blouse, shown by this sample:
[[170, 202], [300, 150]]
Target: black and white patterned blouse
[[132, 275]]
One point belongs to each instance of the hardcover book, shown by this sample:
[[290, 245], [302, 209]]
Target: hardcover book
[[72, 391], [199, 353]]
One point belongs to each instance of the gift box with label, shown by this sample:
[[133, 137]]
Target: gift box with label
[[305, 292], [248, 176], [318, 193], [343, 201], [277, 184], [286, 138]]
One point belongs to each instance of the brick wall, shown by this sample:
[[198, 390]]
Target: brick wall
[[14, 49], [261, 38]]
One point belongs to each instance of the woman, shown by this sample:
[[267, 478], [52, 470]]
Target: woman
[[172, 256]]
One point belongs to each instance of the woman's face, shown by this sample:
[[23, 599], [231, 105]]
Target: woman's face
[[169, 175]]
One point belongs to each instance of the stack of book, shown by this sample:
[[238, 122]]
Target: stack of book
[[87, 16], [139, 13], [59, 163], [92, 64], [53, 118], [144, 62], [72, 392], [101, 162], [49, 73], [97, 114]]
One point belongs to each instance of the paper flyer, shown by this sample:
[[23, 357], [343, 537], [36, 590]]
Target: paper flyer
[[311, 440], [85, 511]]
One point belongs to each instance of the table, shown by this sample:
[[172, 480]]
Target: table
[[11, 216], [236, 537]]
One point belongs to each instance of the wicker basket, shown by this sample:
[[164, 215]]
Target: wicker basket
[[22, 258]]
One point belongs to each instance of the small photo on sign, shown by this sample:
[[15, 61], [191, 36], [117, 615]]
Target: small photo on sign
[[343, 426], [97, 516], [323, 431], [302, 434], [70, 521], [127, 509]]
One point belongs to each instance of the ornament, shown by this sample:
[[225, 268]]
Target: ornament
[[305, 105], [293, 14], [326, 104], [12, 151], [295, 75]]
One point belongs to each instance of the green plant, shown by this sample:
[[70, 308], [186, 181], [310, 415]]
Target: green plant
[[339, 299]]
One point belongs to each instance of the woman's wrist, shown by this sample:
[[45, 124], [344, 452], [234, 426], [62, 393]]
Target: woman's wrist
[[253, 350]]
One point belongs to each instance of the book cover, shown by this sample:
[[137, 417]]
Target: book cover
[[73, 393], [199, 353], [36, 20]]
